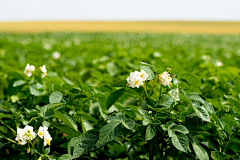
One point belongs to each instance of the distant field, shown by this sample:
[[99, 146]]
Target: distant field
[[154, 27]]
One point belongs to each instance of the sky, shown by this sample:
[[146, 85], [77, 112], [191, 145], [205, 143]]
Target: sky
[[119, 10]]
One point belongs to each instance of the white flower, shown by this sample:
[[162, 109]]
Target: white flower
[[219, 64], [21, 136], [25, 134], [149, 112], [136, 79], [47, 139], [143, 75], [42, 131], [28, 70], [165, 78], [44, 71], [29, 132], [56, 55]]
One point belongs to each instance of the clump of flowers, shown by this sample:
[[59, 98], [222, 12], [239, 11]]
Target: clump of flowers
[[165, 78], [43, 70], [44, 134], [25, 135], [28, 70], [136, 79]]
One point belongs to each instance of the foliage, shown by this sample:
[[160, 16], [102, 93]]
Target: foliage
[[92, 114]]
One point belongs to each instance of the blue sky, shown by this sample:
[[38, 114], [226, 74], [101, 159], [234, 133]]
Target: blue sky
[[119, 10]]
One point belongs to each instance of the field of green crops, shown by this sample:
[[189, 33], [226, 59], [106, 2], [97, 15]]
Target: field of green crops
[[90, 110]]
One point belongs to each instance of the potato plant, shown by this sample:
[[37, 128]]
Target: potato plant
[[51, 110]]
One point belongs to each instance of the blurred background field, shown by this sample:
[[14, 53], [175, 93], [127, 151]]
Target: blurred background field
[[106, 40], [195, 27]]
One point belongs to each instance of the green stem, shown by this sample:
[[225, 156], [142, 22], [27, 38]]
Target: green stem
[[160, 91], [35, 155], [144, 86], [81, 120], [8, 127], [8, 139], [225, 148]]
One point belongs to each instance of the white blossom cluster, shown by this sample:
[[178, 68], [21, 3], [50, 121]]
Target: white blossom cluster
[[24, 135], [30, 68], [165, 79], [136, 79], [27, 134]]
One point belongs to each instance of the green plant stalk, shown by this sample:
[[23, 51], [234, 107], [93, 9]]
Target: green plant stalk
[[81, 120], [8, 139], [35, 155], [145, 86], [225, 148], [9, 127], [160, 90]]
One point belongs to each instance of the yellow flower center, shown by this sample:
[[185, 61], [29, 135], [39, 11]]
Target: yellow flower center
[[142, 75], [27, 71], [170, 83], [45, 74], [136, 82], [48, 142], [127, 85], [40, 133]]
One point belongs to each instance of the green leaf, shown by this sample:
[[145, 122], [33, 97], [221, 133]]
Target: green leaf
[[219, 122], [170, 124], [180, 141], [191, 79], [209, 145], [184, 85], [233, 101], [150, 133], [78, 146], [46, 111], [65, 157], [55, 97], [15, 75], [3, 129], [150, 102], [85, 88], [200, 111], [67, 119], [66, 129], [119, 83], [200, 151], [113, 97], [109, 132], [159, 69], [180, 128], [19, 83], [88, 117], [111, 69], [215, 103], [174, 71], [199, 99], [227, 128], [129, 124], [174, 93], [34, 91], [217, 155], [165, 101], [118, 118], [193, 121], [2, 115], [149, 72]]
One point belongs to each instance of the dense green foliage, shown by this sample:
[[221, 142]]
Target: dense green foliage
[[92, 114]]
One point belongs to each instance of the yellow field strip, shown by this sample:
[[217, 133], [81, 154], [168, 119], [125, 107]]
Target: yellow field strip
[[154, 27]]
